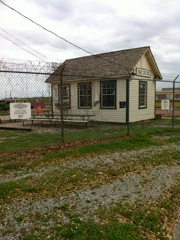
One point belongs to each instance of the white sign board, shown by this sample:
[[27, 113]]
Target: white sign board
[[20, 110], [143, 72], [164, 104]]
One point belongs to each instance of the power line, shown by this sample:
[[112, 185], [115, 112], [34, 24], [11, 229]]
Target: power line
[[46, 29], [23, 43], [67, 41], [21, 47]]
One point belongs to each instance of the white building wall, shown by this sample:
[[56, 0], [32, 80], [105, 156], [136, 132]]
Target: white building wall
[[114, 115], [117, 115], [136, 114], [104, 115]]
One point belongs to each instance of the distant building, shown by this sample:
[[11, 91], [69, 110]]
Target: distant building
[[167, 93]]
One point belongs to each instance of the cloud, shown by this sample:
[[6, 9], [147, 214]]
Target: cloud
[[95, 25], [70, 10]]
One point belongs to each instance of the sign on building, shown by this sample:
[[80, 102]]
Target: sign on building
[[20, 110], [143, 72], [164, 104]]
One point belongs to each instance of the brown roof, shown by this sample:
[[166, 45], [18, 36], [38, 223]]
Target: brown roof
[[105, 65]]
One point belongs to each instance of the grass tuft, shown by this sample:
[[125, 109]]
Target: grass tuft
[[7, 188], [94, 231]]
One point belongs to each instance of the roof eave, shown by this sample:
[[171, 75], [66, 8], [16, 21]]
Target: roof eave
[[154, 65]]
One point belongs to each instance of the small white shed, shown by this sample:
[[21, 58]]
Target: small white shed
[[111, 87]]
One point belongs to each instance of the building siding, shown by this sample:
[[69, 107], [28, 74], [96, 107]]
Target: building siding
[[102, 115], [117, 115], [137, 114]]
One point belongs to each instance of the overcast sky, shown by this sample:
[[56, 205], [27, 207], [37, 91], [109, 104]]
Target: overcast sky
[[94, 25]]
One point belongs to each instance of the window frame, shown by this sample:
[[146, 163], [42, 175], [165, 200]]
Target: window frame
[[67, 97], [80, 96], [103, 96], [144, 95]]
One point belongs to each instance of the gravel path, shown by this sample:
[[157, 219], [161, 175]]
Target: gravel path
[[116, 160], [145, 186]]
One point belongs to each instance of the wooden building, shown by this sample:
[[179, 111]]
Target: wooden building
[[110, 87]]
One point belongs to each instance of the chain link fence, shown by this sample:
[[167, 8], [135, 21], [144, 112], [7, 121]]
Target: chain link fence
[[29, 100], [168, 103], [24, 83]]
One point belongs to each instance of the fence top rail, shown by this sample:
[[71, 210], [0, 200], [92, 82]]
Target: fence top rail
[[52, 73]]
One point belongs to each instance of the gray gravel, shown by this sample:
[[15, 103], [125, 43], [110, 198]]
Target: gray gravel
[[145, 186], [177, 231], [117, 160]]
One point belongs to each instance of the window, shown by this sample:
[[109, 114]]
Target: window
[[84, 95], [142, 94], [66, 98], [161, 96], [108, 94], [177, 96]]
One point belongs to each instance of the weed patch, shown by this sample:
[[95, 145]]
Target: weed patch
[[94, 231], [149, 220], [10, 166], [34, 237], [7, 188], [165, 157]]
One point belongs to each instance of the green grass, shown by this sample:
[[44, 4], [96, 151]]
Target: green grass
[[167, 156], [174, 139], [141, 222], [13, 165], [92, 231], [7, 188], [12, 188], [138, 220], [34, 237], [20, 140], [149, 220], [23, 141], [122, 144], [125, 143], [79, 230], [10, 166]]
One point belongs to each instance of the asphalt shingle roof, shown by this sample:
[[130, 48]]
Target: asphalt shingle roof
[[104, 65]]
